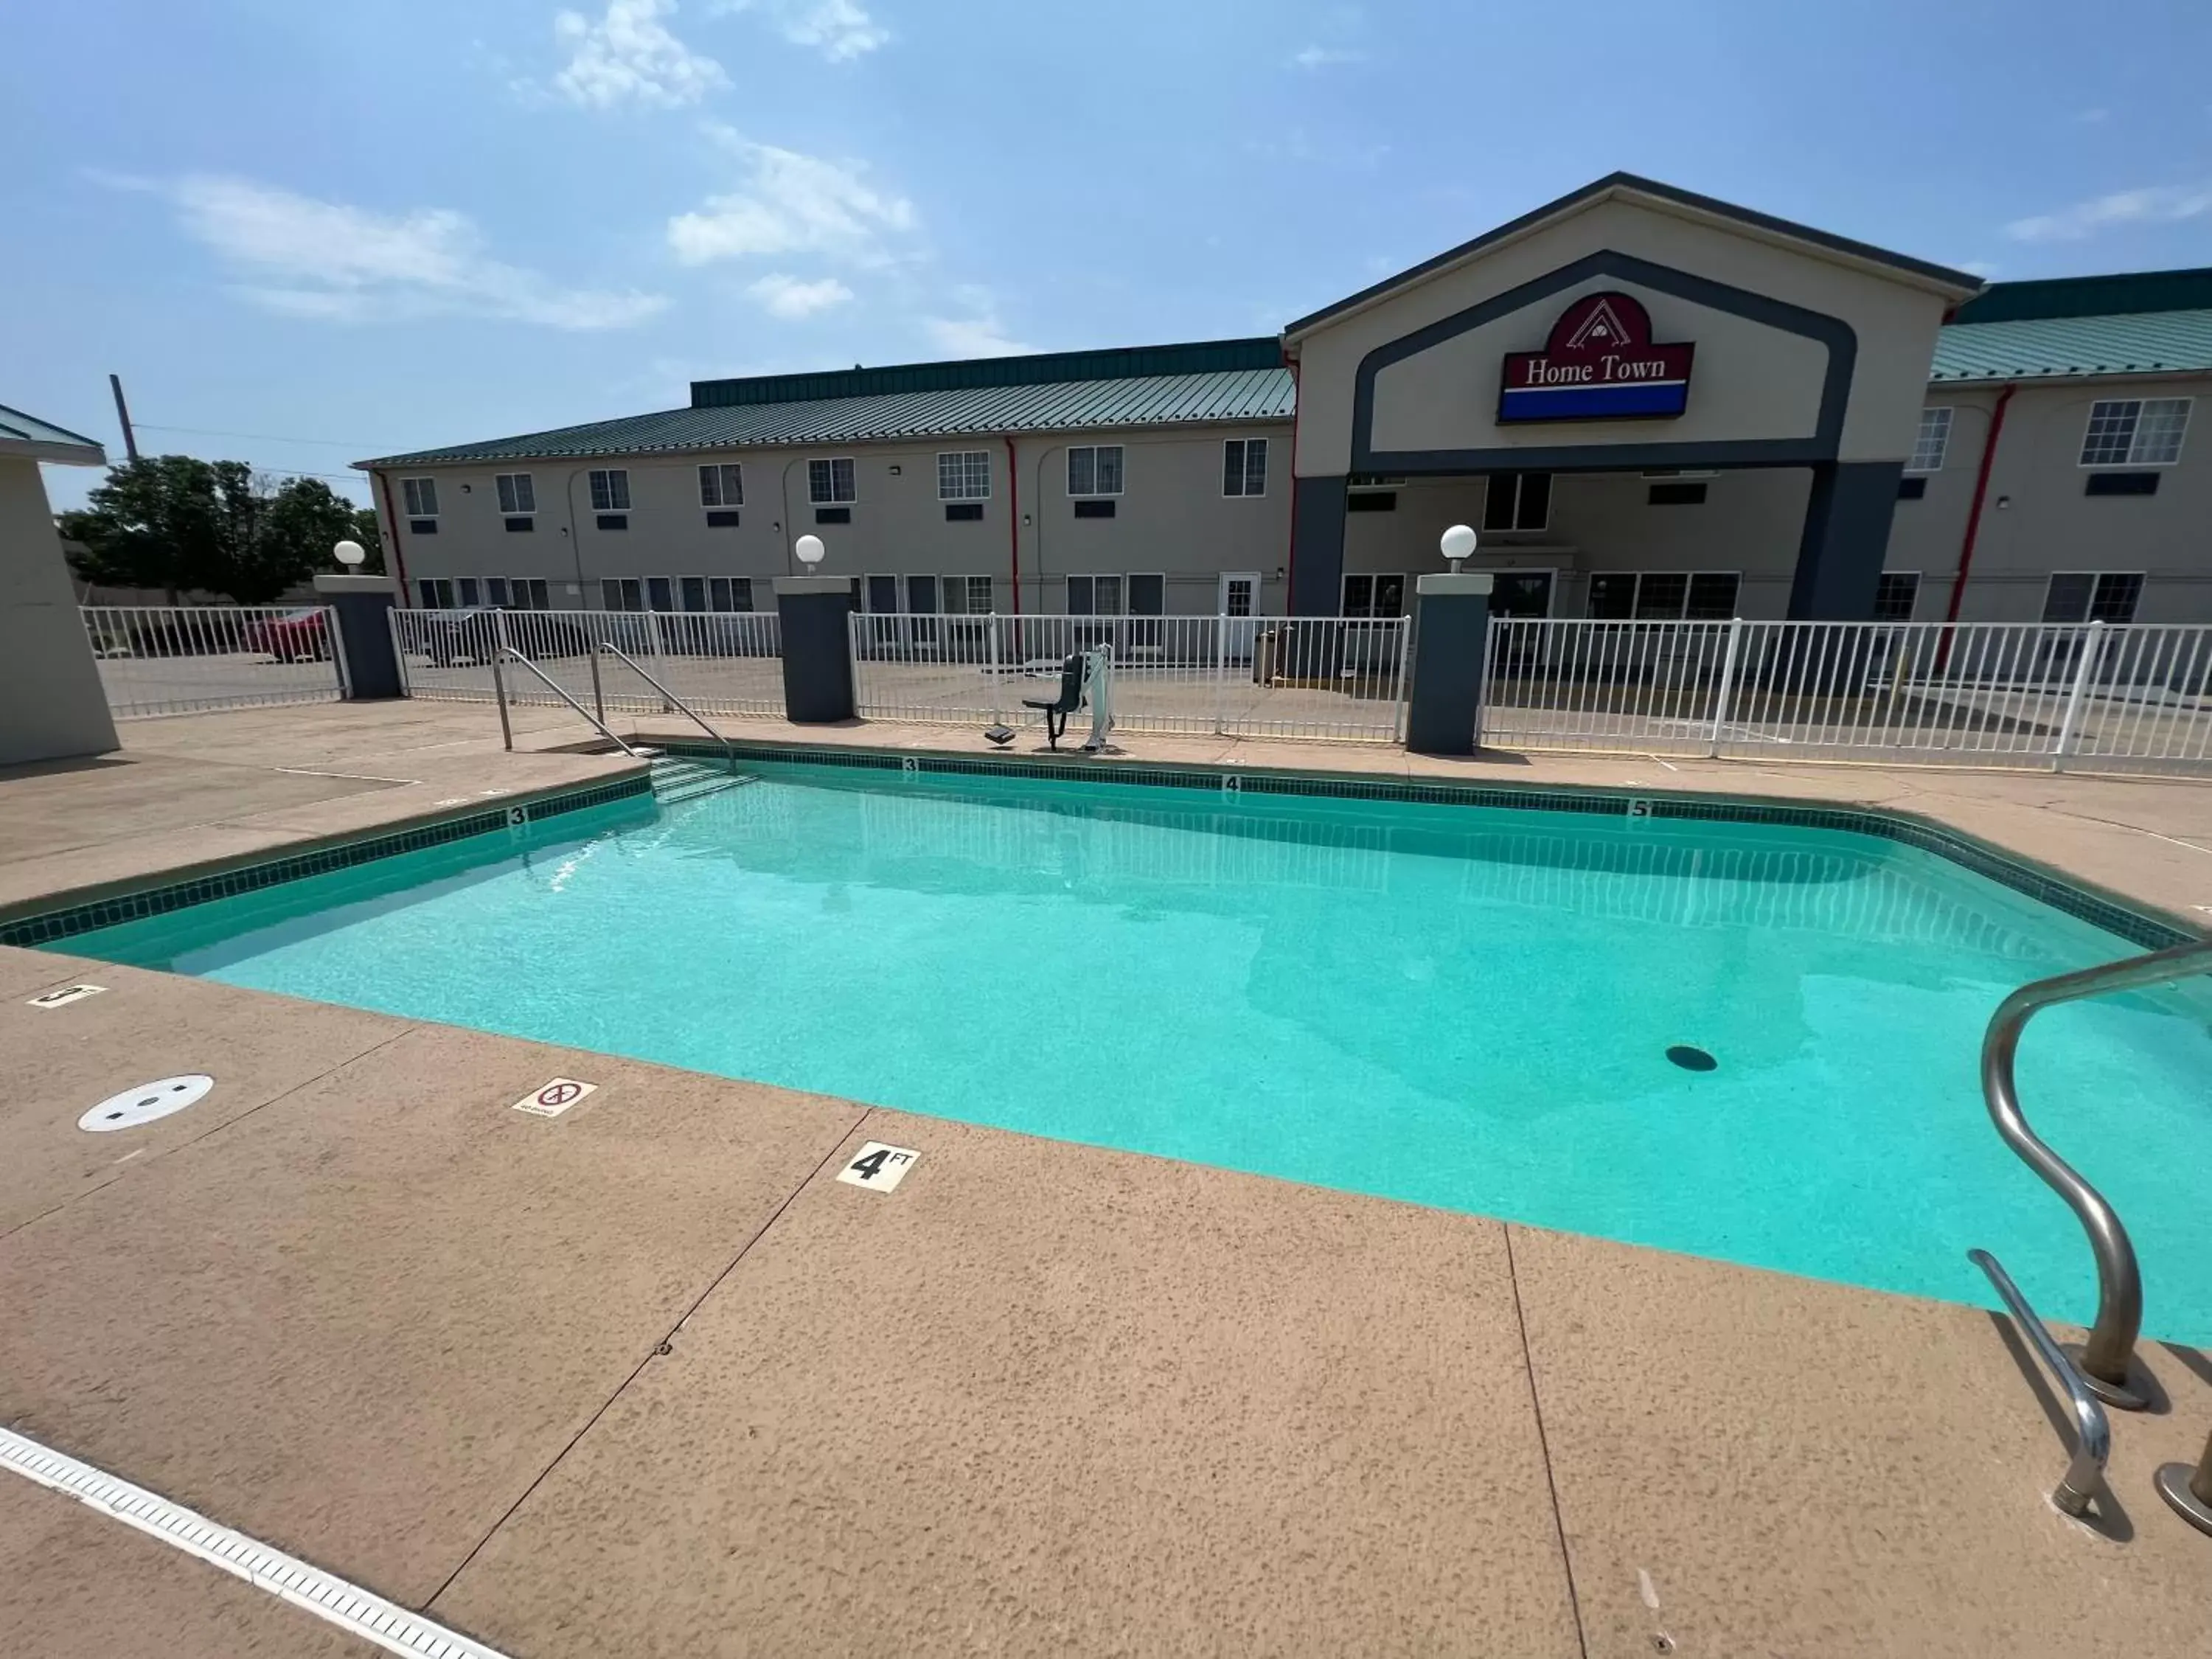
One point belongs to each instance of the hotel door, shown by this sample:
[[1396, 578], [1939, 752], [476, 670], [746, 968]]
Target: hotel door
[[1521, 593]]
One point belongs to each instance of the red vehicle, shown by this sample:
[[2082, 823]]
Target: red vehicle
[[295, 637]]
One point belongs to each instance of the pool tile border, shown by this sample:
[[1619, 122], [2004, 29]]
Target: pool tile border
[[47, 927], [2149, 932]]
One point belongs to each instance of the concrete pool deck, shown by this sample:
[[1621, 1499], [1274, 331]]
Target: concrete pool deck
[[646, 1379]]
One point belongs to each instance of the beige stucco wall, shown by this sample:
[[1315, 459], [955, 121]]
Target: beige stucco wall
[[1171, 519], [51, 702], [2046, 523], [1895, 322]]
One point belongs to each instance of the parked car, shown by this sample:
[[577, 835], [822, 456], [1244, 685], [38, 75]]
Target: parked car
[[295, 637]]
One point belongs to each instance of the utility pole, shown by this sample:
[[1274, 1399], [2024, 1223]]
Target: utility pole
[[123, 414]]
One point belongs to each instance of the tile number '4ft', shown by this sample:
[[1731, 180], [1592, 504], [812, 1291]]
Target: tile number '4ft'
[[879, 1168]]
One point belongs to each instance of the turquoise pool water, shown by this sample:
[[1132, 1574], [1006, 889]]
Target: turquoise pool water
[[1457, 1006]]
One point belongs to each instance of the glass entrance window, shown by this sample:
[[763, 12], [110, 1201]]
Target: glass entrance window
[[883, 595], [1521, 593], [1382, 595], [693, 591], [2080, 596]]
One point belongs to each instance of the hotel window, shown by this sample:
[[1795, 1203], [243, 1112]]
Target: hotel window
[[1094, 596], [495, 590], [1517, 500], [829, 482], [465, 591], [1895, 594], [517, 493], [2081, 596], [528, 593], [1094, 470], [1932, 442], [2134, 432], [610, 491], [963, 475], [437, 592], [1375, 596], [722, 486], [729, 592], [622, 594], [1244, 466], [968, 595], [421, 495], [1663, 595]]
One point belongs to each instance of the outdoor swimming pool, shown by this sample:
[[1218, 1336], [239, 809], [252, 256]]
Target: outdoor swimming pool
[[1462, 1006]]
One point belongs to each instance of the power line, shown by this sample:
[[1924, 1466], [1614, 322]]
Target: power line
[[261, 437]]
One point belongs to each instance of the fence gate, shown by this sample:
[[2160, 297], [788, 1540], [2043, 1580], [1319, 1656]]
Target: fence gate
[[187, 660]]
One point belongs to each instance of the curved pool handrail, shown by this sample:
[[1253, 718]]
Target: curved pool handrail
[[508, 653], [2084, 1478], [2107, 1357], [698, 720]]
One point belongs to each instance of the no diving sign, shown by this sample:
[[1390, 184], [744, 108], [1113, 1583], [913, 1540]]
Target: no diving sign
[[879, 1168], [556, 1097]]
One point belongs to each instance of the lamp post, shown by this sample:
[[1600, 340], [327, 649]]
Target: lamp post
[[1458, 543], [351, 555], [810, 551]]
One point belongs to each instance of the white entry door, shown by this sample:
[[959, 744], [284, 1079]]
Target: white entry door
[[1239, 604]]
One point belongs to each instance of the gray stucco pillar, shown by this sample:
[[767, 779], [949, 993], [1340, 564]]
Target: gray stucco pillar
[[817, 648], [1317, 547], [1451, 626], [363, 604], [1847, 520]]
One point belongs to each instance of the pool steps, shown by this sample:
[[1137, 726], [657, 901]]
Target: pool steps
[[675, 779]]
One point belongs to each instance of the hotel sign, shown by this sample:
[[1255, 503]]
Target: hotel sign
[[1599, 365]]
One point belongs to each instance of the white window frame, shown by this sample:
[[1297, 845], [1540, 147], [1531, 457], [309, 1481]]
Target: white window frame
[[966, 585], [633, 585], [1931, 443], [1360, 481], [714, 479], [529, 593], [1910, 608], [1121, 471], [731, 585], [2096, 577], [1519, 479], [610, 481], [1244, 490], [513, 486], [428, 589], [412, 492], [1094, 577], [2133, 457], [1636, 594], [960, 475], [833, 499]]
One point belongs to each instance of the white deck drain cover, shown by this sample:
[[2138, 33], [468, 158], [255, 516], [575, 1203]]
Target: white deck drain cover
[[149, 1101], [65, 996], [556, 1097], [390, 1626], [879, 1168]]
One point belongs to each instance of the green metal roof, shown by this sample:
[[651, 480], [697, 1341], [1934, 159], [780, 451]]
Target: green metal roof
[[1034, 369], [1060, 405], [2043, 347], [2090, 296], [53, 443]]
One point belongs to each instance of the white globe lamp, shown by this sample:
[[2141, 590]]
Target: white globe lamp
[[351, 555], [811, 551], [1457, 543]]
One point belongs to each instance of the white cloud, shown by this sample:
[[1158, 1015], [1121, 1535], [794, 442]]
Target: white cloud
[[791, 203], [1320, 56], [2153, 204], [839, 30], [307, 257], [787, 296], [978, 336], [629, 56]]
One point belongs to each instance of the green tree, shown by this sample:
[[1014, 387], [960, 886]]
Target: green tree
[[176, 522], [366, 532]]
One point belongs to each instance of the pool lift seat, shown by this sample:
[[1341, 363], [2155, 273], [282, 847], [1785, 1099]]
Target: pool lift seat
[[1085, 675]]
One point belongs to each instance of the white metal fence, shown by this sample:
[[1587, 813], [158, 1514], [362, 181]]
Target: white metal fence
[[1307, 676], [189, 659], [2132, 697], [720, 662]]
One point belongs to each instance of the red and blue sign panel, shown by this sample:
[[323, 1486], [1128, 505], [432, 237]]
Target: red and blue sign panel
[[1599, 365]]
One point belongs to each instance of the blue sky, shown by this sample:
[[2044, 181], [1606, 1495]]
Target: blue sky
[[340, 231]]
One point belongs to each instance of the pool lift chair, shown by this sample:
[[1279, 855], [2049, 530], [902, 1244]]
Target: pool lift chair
[[1084, 674]]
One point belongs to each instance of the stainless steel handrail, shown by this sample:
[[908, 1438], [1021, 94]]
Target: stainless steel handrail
[[509, 653], [2093, 1433], [697, 718], [2106, 1359]]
